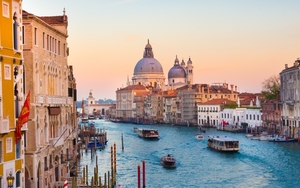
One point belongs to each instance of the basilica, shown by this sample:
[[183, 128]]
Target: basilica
[[149, 72], [149, 99]]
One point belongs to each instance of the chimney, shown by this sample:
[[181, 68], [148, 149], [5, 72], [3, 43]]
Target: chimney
[[231, 88], [235, 88], [286, 66]]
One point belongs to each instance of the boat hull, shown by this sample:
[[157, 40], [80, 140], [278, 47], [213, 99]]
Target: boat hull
[[168, 163]]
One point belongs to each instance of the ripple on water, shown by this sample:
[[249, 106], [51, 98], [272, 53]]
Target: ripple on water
[[257, 164]]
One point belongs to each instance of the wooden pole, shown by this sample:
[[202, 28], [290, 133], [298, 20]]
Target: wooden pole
[[144, 174], [86, 174], [122, 142], [139, 176]]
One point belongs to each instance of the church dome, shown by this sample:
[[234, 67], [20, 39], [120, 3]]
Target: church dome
[[176, 71], [148, 65]]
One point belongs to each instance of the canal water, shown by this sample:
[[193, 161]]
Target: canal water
[[257, 164]]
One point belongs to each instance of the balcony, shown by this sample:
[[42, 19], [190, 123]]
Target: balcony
[[53, 99], [55, 142], [4, 126]]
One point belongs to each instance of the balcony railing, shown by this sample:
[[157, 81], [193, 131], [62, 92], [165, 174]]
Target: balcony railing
[[53, 99], [4, 126]]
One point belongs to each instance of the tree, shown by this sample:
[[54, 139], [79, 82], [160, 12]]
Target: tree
[[271, 88]]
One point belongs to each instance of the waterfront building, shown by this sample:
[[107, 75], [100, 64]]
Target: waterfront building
[[12, 93], [190, 95], [271, 116], [51, 138], [290, 99], [209, 112], [125, 104], [180, 75], [154, 106], [169, 106], [148, 71], [95, 109]]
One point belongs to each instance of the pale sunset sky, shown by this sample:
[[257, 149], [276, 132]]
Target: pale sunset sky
[[240, 42]]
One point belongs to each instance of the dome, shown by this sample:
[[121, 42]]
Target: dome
[[176, 72], [148, 66]]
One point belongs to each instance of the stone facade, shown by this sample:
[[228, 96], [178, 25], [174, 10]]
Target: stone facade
[[51, 144]]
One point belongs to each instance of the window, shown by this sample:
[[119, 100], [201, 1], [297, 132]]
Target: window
[[23, 35], [5, 9], [18, 149], [48, 42], [45, 164], [58, 45], [15, 31], [18, 179], [35, 38], [43, 39], [8, 145]]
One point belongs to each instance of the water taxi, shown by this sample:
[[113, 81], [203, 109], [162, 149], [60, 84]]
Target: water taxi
[[223, 143], [168, 161], [199, 137], [148, 133]]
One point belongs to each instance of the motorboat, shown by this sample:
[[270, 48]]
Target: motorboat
[[135, 129], [284, 139], [199, 137], [249, 135], [223, 143], [148, 133], [168, 161]]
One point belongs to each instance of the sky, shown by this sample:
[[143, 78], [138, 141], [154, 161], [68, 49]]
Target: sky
[[229, 41]]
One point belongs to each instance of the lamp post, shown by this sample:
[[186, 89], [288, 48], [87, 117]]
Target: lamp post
[[10, 180]]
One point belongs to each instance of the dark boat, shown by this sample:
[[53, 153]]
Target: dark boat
[[168, 161]]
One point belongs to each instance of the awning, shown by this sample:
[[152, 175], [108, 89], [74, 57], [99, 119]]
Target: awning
[[54, 110]]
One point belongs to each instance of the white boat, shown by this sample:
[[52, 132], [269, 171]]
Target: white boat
[[135, 129], [263, 138], [223, 143], [148, 133], [199, 137], [249, 135]]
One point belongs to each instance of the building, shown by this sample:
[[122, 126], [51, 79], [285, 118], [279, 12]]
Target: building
[[126, 102], [209, 112], [50, 142], [95, 109], [290, 99], [12, 93], [180, 75], [192, 94], [148, 71], [169, 106]]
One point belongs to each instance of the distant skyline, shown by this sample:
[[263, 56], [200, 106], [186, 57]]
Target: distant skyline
[[237, 42]]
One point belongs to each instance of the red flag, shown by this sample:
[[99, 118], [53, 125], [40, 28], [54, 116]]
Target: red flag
[[23, 118]]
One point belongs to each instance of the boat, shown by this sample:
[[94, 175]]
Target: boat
[[199, 137], [168, 161], [95, 145], [148, 133], [283, 139], [249, 135], [223, 143], [135, 129]]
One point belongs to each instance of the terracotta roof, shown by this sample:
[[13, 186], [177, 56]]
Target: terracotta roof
[[134, 87], [218, 101], [49, 19], [53, 19]]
